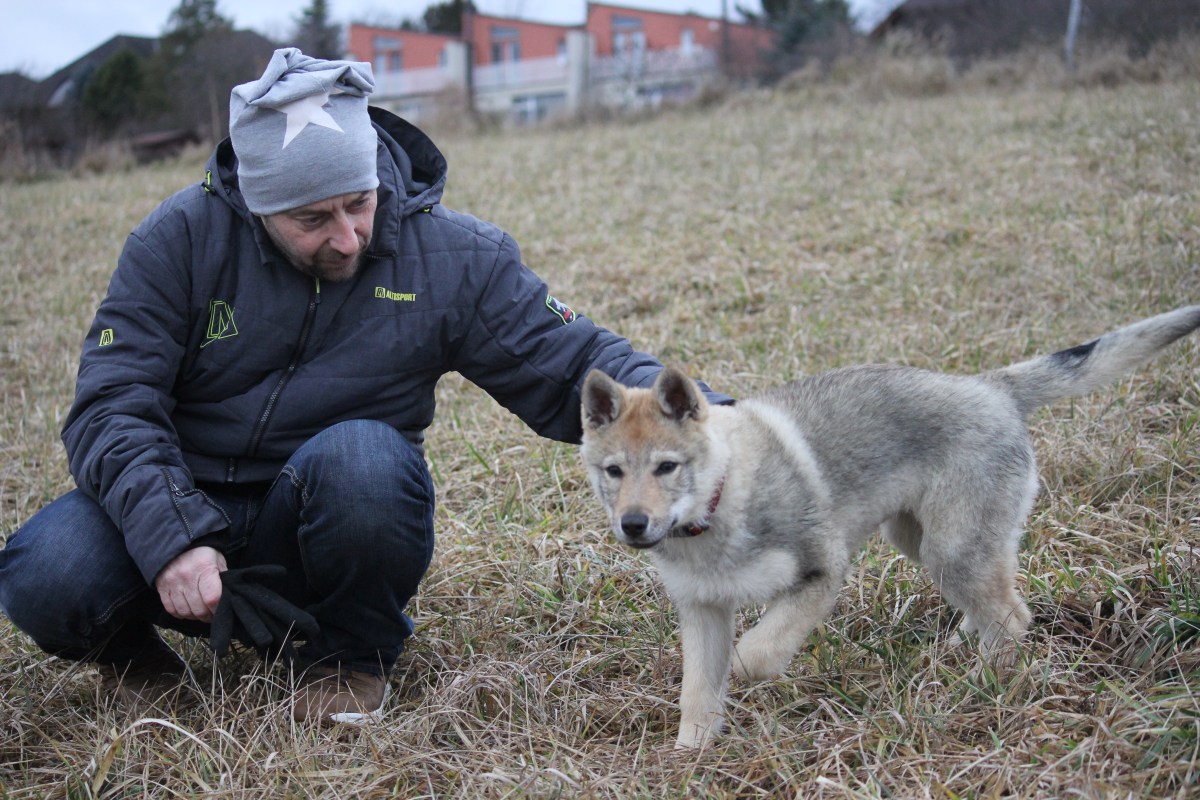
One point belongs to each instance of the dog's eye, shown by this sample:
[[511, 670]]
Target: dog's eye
[[614, 471], [666, 468]]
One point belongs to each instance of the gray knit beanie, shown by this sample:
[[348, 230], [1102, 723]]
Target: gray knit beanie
[[301, 132]]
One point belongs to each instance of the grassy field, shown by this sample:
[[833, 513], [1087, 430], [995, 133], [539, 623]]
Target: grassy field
[[767, 237]]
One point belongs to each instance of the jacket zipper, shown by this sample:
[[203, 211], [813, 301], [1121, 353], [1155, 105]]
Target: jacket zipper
[[261, 426]]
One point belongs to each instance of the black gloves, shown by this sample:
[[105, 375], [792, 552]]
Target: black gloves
[[251, 612]]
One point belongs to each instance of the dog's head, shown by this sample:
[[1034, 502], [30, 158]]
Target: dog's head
[[647, 454]]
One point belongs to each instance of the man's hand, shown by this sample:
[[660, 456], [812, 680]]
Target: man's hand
[[252, 612], [189, 586]]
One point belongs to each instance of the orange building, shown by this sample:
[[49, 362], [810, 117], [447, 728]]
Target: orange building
[[620, 30], [500, 40], [396, 50], [616, 30], [618, 57]]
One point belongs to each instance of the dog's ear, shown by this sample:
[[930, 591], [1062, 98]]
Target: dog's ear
[[601, 400], [679, 396]]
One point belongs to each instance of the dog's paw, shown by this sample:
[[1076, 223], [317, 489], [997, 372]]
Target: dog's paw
[[694, 737], [757, 660], [1003, 654], [1000, 643]]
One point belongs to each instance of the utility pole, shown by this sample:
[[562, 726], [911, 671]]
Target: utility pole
[[1072, 32], [726, 66]]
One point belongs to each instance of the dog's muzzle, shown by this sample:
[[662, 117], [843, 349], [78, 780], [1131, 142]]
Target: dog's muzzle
[[633, 527]]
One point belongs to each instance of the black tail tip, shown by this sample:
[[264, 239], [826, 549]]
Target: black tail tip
[[1074, 356]]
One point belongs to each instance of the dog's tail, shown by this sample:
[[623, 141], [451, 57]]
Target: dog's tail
[[1091, 366]]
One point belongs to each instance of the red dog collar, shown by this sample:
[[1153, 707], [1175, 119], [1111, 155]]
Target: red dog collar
[[697, 528]]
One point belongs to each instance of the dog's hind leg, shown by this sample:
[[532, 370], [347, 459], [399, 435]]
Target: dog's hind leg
[[991, 606], [979, 578], [972, 532], [707, 634], [765, 650]]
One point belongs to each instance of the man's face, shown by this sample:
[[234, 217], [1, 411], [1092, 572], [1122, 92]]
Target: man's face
[[326, 239]]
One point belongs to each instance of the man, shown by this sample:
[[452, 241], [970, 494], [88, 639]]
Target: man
[[255, 387]]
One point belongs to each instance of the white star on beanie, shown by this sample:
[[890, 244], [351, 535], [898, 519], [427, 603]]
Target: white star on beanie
[[307, 111]]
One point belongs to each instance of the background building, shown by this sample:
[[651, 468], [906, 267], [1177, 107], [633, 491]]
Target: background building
[[525, 71]]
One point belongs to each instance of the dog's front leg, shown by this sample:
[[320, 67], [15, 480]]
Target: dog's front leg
[[766, 649], [707, 633]]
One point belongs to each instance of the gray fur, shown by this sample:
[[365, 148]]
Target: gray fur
[[802, 475], [1097, 364]]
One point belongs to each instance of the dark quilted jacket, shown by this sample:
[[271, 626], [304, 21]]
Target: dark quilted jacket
[[211, 359]]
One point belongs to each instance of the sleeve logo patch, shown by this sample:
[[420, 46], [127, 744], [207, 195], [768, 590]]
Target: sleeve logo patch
[[560, 309], [106, 337]]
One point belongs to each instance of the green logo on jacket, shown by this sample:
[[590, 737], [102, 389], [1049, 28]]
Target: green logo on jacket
[[220, 322], [397, 297]]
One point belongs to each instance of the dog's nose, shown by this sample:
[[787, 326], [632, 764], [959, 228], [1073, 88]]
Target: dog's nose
[[634, 525]]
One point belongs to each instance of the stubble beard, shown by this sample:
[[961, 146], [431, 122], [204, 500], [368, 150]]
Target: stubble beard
[[326, 264]]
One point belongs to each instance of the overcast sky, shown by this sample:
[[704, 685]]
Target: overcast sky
[[42, 36]]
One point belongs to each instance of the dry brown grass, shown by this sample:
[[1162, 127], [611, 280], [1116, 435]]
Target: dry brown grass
[[774, 236], [905, 65]]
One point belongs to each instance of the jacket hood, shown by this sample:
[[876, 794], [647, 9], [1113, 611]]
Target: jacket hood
[[404, 151]]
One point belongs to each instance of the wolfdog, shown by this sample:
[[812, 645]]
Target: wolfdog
[[768, 500]]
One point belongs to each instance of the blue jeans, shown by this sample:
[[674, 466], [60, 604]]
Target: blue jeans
[[350, 516]]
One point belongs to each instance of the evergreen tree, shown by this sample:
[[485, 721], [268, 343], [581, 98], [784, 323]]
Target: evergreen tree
[[315, 35], [446, 17], [200, 61], [116, 92], [800, 21], [802, 27], [190, 22]]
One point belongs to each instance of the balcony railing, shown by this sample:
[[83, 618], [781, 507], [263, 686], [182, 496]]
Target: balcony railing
[[653, 64], [527, 72], [411, 81], [645, 65]]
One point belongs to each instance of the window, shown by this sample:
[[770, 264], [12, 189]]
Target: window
[[389, 53], [628, 36], [632, 43], [622, 23], [528, 109], [506, 44], [687, 41], [505, 51]]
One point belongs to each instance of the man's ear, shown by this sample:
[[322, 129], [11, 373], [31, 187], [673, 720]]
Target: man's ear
[[601, 400], [679, 396]]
